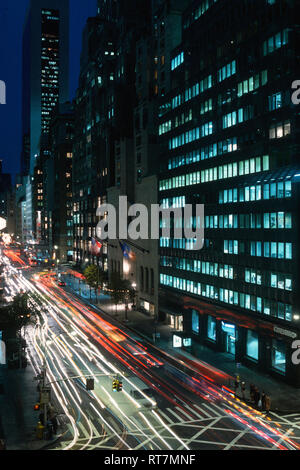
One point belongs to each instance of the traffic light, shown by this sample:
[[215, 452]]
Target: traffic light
[[120, 386], [115, 385], [90, 384], [37, 407]]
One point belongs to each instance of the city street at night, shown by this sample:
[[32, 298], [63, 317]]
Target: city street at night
[[149, 230], [161, 407]]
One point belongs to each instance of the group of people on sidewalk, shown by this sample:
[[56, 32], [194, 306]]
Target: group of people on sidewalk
[[261, 401]]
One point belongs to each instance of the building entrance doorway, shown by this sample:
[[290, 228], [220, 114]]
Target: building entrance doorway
[[230, 337]]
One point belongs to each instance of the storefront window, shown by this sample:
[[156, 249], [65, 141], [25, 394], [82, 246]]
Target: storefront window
[[195, 322], [211, 328], [279, 355], [252, 344]]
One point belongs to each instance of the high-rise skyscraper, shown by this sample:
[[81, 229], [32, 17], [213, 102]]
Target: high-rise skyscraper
[[228, 138], [45, 71]]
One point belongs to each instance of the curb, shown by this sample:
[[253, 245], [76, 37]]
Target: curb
[[150, 340]]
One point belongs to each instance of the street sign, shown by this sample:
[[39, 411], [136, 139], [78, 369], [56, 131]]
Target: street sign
[[45, 396]]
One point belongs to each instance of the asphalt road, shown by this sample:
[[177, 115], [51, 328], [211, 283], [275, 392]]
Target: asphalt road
[[164, 404]]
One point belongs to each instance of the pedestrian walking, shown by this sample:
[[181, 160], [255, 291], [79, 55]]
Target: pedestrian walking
[[256, 397], [263, 401], [236, 384], [243, 388], [252, 390], [268, 404]]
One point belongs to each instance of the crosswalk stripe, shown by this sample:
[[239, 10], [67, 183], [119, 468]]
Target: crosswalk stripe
[[194, 412], [203, 411], [221, 410], [165, 416], [184, 413], [174, 414], [211, 409]]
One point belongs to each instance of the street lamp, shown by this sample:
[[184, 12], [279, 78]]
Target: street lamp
[[44, 386]]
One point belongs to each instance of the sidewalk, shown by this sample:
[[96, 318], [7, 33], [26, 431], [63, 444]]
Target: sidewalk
[[18, 396], [284, 398]]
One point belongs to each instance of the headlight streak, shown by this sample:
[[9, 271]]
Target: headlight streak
[[110, 427], [128, 419], [154, 430], [153, 403], [68, 384], [258, 420], [90, 351], [257, 431], [81, 359], [60, 398], [41, 332], [125, 379], [59, 343]]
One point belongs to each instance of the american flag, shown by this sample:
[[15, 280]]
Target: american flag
[[96, 247], [127, 251]]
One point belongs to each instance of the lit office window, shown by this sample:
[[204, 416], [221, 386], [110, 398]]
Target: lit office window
[[275, 101], [279, 130], [275, 42], [227, 71]]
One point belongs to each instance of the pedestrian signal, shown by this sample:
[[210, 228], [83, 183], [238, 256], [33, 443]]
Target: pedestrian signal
[[37, 407]]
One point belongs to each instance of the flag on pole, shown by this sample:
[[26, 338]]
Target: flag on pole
[[127, 251], [96, 247]]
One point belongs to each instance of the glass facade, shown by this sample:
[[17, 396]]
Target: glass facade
[[50, 65], [238, 157]]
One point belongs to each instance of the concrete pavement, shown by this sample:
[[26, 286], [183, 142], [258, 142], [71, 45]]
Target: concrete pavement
[[17, 399]]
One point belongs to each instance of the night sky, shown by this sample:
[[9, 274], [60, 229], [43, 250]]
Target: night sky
[[12, 15]]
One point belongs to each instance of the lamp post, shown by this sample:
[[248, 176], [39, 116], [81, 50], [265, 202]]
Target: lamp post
[[45, 386]]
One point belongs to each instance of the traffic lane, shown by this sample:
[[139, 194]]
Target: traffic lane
[[133, 363], [235, 417], [79, 399], [61, 368]]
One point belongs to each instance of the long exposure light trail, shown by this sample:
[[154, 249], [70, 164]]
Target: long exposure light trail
[[73, 341]]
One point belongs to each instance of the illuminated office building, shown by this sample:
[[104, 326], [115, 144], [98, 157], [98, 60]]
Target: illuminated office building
[[229, 139]]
